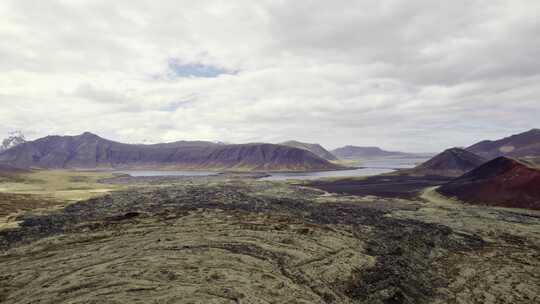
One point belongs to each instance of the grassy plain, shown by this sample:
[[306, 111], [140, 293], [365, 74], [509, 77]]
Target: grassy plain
[[41, 190]]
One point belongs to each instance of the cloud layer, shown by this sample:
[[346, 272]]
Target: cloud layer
[[417, 75]]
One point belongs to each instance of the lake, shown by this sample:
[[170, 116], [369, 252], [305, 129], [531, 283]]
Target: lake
[[369, 167]]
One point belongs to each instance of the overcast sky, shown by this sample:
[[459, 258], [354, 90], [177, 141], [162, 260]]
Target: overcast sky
[[404, 75]]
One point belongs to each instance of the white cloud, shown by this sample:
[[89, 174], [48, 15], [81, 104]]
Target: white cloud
[[412, 75]]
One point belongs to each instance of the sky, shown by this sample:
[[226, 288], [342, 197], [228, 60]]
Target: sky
[[409, 75]]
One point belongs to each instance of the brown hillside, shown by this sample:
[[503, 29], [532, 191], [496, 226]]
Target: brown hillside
[[501, 182], [451, 162]]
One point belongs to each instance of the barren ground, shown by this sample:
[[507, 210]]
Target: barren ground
[[238, 240]]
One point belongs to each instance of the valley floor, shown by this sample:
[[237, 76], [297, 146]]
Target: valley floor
[[238, 240], [45, 190]]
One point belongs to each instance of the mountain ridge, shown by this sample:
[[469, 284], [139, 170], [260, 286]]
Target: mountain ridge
[[522, 145], [315, 148], [360, 152], [88, 150], [451, 162]]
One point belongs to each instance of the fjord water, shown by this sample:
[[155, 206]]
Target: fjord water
[[369, 167], [277, 176]]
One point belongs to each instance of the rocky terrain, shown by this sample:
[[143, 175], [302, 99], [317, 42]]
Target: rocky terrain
[[313, 148], [91, 151], [501, 182], [388, 186], [451, 162], [238, 240], [524, 145]]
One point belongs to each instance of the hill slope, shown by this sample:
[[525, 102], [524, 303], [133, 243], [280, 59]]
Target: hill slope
[[91, 151], [451, 162], [501, 182], [356, 152], [313, 148], [523, 145]]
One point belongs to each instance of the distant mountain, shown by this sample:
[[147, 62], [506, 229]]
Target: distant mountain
[[313, 148], [501, 182], [356, 152], [524, 145], [14, 139], [451, 162], [91, 151]]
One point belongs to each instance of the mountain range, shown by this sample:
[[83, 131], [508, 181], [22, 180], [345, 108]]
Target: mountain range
[[525, 145], [314, 148], [91, 151], [358, 153]]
